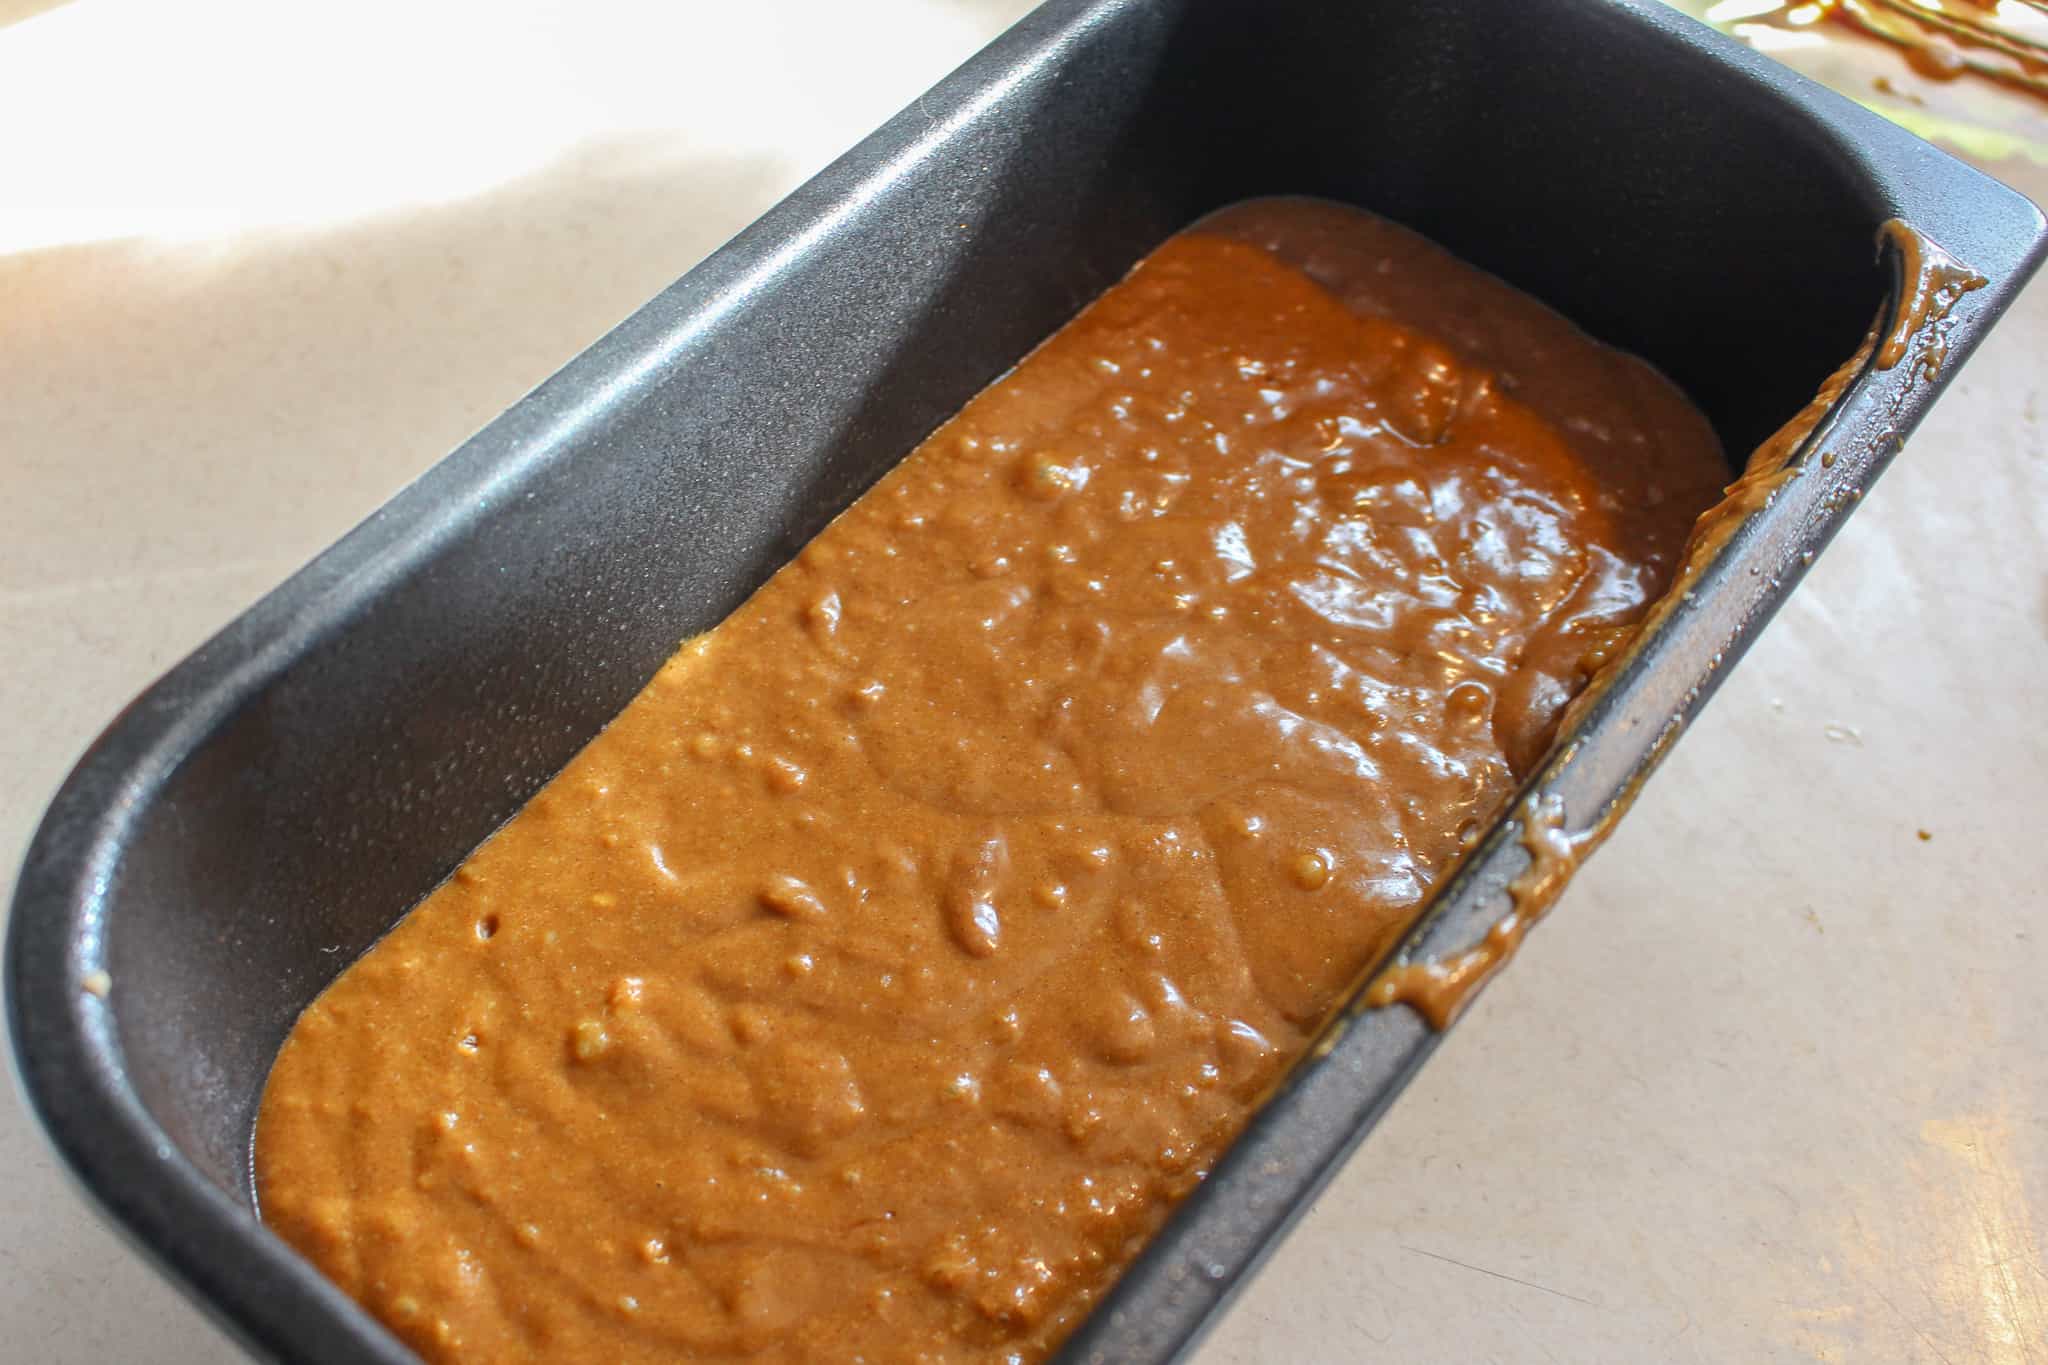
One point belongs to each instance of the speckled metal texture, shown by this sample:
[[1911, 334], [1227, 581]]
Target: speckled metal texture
[[266, 811]]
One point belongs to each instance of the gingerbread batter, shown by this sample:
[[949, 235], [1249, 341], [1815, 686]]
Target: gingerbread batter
[[874, 985]]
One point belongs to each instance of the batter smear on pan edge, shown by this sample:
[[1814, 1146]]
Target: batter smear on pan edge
[[872, 987]]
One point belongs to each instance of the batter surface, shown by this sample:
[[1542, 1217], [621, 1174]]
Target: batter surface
[[871, 988]]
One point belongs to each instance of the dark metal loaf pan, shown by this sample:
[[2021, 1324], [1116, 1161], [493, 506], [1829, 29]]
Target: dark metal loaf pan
[[260, 816]]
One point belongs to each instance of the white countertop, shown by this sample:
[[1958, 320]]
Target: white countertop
[[1771, 1083]]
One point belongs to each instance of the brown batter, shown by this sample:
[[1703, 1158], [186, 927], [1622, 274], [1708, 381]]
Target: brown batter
[[1967, 38], [1914, 330], [871, 988]]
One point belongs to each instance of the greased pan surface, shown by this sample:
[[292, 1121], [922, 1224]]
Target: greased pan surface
[[303, 779]]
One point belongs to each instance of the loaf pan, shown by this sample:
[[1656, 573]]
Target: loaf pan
[[259, 817]]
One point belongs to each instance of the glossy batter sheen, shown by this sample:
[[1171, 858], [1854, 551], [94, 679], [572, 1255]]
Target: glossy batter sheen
[[871, 988]]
